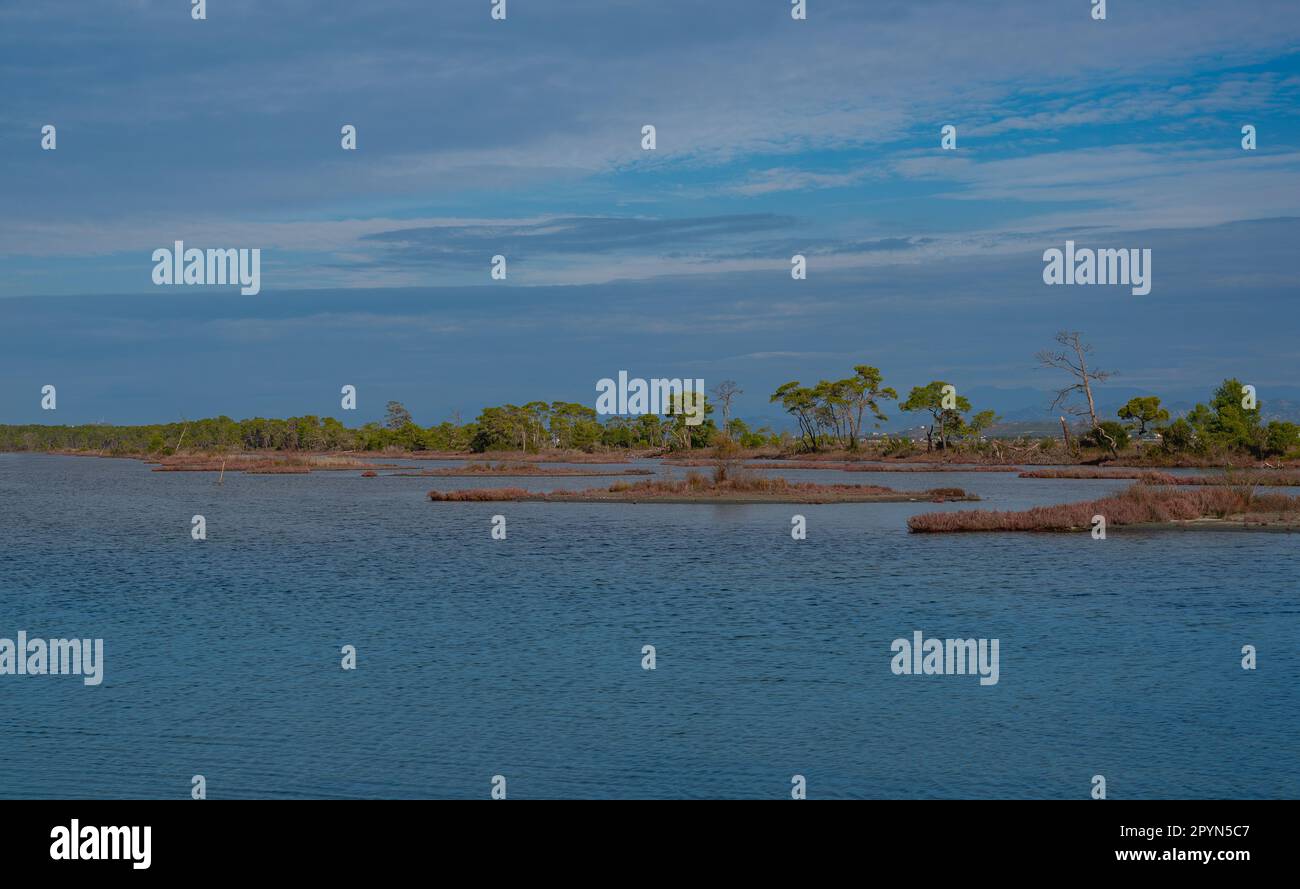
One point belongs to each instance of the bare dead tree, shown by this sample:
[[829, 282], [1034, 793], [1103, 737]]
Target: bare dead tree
[[180, 440], [724, 392], [1072, 358]]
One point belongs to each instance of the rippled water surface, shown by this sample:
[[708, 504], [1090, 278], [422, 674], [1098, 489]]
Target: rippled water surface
[[523, 657]]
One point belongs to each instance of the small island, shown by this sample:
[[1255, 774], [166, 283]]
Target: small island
[[518, 470], [1140, 506], [696, 488], [254, 464], [1249, 477]]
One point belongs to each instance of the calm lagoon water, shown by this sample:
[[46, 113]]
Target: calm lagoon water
[[523, 657]]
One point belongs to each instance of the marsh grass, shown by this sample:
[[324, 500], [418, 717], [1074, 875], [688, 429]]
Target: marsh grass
[[1230, 477], [1137, 505], [699, 487]]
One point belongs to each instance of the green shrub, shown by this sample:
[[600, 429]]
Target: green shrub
[[1281, 438], [1180, 436], [1116, 431]]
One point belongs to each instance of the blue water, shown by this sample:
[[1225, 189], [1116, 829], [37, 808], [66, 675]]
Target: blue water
[[523, 657]]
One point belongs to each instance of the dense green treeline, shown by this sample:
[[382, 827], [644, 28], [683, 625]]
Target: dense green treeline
[[534, 426], [1226, 424], [833, 414]]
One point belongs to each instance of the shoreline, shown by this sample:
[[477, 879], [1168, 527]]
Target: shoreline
[[1231, 523], [1138, 506], [757, 460], [479, 469], [774, 491], [736, 499]]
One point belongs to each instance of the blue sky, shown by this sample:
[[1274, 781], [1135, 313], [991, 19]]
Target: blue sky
[[522, 137]]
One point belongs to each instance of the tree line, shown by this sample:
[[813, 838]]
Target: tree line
[[1232, 422], [831, 415], [535, 426]]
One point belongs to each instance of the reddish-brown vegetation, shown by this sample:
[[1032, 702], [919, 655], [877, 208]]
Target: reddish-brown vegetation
[[556, 456], [482, 494], [698, 488], [1153, 477], [508, 470], [856, 466], [697, 483], [294, 465], [1138, 505]]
